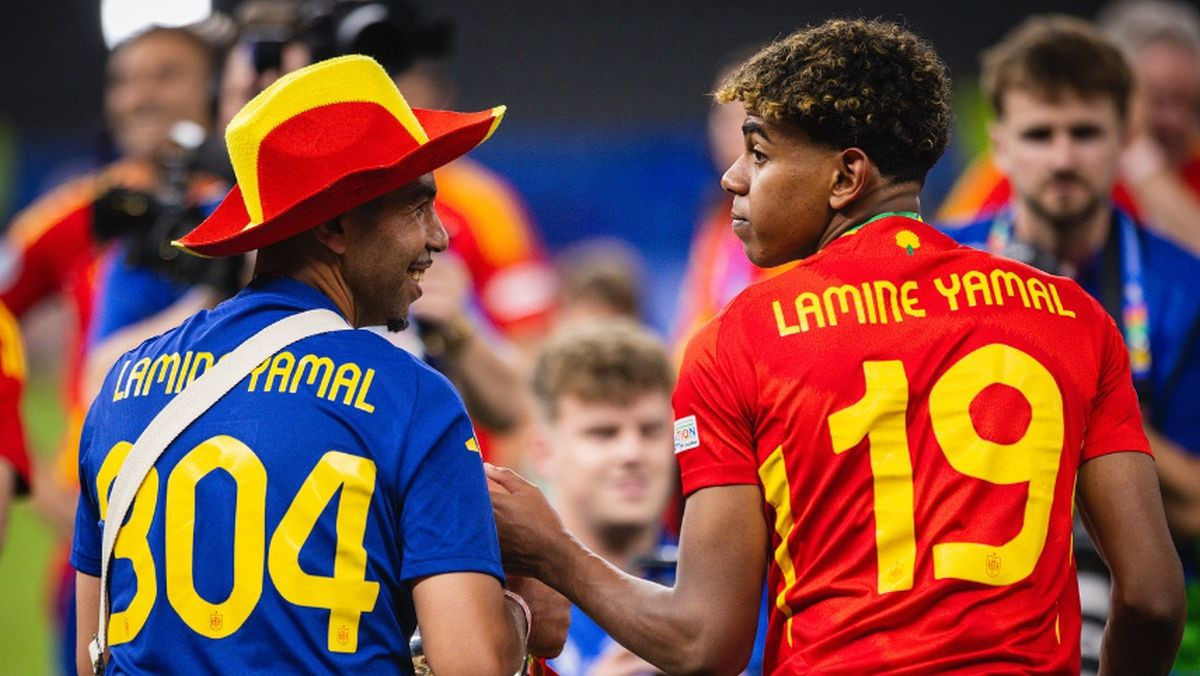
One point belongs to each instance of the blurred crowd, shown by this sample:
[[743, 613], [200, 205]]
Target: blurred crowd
[[1093, 172]]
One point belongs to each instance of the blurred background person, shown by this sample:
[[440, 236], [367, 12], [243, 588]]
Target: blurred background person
[[1159, 182], [1160, 167], [599, 279], [603, 443], [15, 475], [62, 244], [1061, 96]]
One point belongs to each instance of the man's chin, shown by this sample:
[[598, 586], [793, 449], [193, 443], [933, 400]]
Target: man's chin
[[397, 324], [1068, 217]]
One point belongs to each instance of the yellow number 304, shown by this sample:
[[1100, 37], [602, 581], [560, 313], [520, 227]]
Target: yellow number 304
[[1034, 458], [347, 594]]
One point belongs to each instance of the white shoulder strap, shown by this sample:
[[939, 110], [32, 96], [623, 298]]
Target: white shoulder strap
[[176, 416]]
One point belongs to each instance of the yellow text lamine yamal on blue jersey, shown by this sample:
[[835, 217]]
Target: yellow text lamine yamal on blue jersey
[[283, 373]]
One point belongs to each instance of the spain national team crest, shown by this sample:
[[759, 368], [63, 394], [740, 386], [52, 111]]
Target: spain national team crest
[[993, 565], [216, 621], [908, 240]]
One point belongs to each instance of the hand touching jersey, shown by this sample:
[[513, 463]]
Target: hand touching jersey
[[527, 524]]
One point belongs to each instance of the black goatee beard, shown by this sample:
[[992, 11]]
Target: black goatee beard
[[1066, 223], [397, 324]]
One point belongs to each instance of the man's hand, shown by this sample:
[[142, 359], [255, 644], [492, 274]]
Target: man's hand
[[704, 624], [528, 526], [551, 613]]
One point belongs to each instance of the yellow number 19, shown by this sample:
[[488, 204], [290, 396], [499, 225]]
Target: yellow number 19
[[1034, 458]]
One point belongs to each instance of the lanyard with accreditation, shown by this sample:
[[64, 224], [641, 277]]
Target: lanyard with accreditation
[[1133, 316], [175, 417]]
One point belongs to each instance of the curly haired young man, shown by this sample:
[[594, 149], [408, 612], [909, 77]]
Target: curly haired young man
[[916, 417]]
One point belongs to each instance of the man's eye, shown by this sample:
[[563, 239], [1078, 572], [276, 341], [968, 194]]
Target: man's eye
[[759, 158], [1039, 134], [1085, 132], [601, 432]]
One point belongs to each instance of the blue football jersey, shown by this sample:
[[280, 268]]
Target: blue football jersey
[[283, 528]]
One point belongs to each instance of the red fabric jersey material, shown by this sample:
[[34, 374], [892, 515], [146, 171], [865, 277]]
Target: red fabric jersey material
[[915, 413]]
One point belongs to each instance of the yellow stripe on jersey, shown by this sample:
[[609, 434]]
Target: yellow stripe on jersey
[[778, 493], [12, 358], [498, 222]]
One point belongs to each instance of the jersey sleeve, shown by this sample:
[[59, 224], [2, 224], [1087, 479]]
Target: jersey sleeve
[[1115, 421], [714, 425], [446, 523], [85, 543], [39, 251]]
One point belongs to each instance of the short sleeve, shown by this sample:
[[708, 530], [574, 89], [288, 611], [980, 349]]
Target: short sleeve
[[85, 545], [714, 423], [1115, 421], [446, 523]]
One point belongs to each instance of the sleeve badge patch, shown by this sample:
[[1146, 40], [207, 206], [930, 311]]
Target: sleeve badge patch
[[687, 436]]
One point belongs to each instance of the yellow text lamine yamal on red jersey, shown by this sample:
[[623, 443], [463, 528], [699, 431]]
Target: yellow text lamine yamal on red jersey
[[883, 301]]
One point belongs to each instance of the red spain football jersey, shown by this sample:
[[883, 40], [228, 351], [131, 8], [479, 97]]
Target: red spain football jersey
[[915, 413]]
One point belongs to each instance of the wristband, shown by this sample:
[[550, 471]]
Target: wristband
[[516, 598]]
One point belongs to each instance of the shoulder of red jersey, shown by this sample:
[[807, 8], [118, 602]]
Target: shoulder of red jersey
[[490, 208], [41, 215]]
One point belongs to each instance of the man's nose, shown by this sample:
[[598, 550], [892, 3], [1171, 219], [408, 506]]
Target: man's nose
[[436, 237], [628, 448], [734, 179], [1064, 151]]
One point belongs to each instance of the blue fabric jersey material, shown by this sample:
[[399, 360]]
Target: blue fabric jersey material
[[128, 294], [341, 448], [1171, 278]]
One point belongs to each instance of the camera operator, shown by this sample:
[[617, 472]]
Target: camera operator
[[51, 250], [145, 286]]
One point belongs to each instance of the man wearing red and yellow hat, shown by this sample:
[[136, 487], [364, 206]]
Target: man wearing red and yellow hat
[[351, 502]]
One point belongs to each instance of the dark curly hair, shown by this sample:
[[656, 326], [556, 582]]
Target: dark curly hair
[[861, 83]]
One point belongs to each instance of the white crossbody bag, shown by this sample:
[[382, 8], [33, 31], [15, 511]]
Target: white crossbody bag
[[175, 417]]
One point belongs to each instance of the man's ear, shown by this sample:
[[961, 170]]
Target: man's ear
[[852, 173], [332, 234]]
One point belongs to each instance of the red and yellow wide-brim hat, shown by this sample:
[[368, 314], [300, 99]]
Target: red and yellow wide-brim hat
[[319, 142]]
